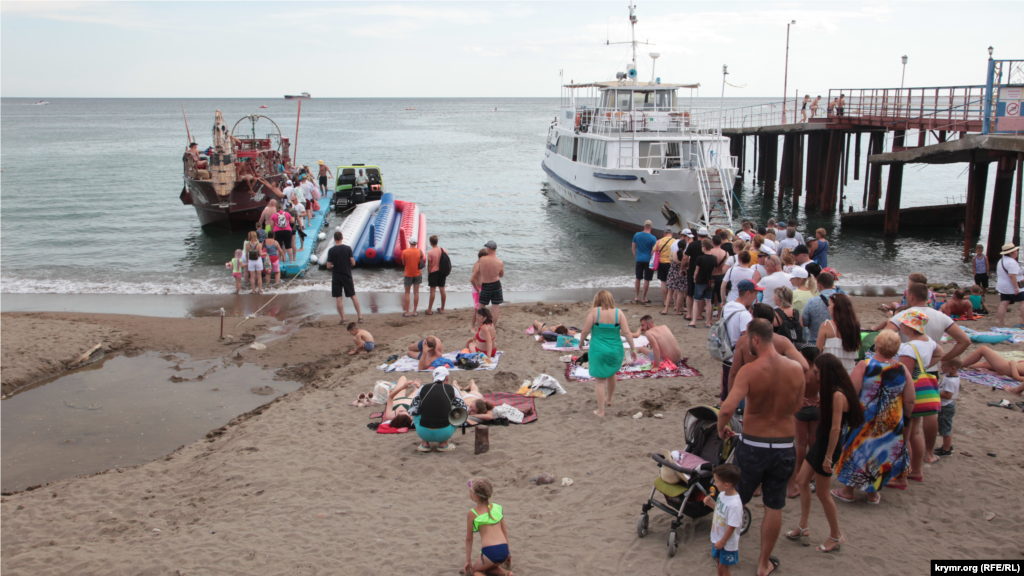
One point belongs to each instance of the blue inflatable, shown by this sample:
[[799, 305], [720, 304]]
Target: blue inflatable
[[389, 256], [379, 232]]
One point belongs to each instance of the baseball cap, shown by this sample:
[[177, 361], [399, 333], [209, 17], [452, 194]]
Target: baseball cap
[[801, 249], [747, 286], [687, 232], [491, 244], [798, 272], [702, 232], [765, 249], [288, 182], [412, 241], [746, 237], [440, 373]]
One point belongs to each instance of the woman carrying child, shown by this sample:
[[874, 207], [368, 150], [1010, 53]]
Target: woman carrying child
[[840, 410], [489, 520]]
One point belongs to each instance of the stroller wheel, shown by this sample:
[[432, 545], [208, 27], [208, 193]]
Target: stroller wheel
[[641, 525], [671, 543], [746, 521]]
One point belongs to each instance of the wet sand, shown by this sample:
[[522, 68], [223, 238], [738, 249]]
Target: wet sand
[[301, 486]]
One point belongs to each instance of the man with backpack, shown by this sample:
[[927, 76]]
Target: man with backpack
[[726, 332], [439, 266]]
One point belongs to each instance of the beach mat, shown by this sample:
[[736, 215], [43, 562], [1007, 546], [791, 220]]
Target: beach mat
[[575, 373], [987, 378], [517, 401], [407, 364], [638, 342]]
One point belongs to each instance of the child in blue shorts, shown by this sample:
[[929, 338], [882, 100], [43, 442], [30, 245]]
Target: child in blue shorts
[[728, 519]]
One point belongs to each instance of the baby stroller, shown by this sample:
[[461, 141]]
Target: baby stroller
[[704, 450]]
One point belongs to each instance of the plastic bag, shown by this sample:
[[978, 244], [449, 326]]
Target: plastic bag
[[506, 411], [381, 390]]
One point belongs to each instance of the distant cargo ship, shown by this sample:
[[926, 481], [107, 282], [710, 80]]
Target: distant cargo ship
[[303, 96]]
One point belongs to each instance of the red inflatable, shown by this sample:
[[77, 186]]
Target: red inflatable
[[407, 229]]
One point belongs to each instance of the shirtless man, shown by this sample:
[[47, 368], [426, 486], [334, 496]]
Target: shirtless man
[[267, 214], [718, 274], [487, 279], [324, 171], [782, 345], [426, 351], [774, 385], [663, 343]]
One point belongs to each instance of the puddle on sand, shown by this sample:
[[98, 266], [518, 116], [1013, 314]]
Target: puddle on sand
[[121, 412]]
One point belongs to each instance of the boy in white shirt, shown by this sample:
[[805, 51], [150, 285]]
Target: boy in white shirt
[[728, 519], [949, 391]]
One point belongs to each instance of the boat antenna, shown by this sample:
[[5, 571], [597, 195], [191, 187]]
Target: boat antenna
[[187, 132], [632, 42]]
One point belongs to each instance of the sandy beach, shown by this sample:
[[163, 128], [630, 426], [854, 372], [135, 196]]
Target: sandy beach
[[302, 486]]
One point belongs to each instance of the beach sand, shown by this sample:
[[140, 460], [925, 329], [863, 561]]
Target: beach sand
[[301, 486]]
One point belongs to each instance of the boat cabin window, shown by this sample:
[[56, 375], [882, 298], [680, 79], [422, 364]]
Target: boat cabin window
[[624, 99], [593, 152], [608, 99], [566, 145], [665, 99]]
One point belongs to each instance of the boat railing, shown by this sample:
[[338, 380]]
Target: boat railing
[[615, 122]]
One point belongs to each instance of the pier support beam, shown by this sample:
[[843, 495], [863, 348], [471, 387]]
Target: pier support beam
[[833, 167], [736, 149], [894, 190], [856, 159], [875, 146], [1016, 210], [977, 177], [771, 172], [1001, 193], [811, 181], [759, 144], [798, 169], [786, 176]]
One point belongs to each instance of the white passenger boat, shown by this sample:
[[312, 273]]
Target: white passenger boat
[[629, 151]]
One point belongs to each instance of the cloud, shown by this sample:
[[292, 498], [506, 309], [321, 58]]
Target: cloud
[[485, 53], [118, 15]]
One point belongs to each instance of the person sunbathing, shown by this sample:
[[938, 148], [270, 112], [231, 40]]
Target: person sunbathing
[[958, 306], [989, 359], [433, 351], [400, 399], [551, 333], [470, 393], [481, 411]]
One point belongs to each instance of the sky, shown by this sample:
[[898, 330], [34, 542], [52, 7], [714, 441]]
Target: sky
[[487, 49]]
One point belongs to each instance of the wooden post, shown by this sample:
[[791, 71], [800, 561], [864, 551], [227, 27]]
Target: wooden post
[[893, 191], [856, 160], [771, 172], [1001, 193], [922, 137], [759, 144], [786, 176], [846, 163], [811, 181], [832, 169], [942, 135], [742, 154], [798, 168], [875, 179], [481, 439], [970, 217], [1016, 210]]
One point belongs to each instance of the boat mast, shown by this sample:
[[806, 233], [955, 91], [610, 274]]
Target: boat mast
[[632, 35]]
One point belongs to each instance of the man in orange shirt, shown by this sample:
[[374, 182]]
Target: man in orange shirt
[[413, 257]]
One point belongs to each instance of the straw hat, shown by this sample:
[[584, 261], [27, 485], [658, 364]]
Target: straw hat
[[915, 320], [320, 162], [1007, 248], [669, 475]]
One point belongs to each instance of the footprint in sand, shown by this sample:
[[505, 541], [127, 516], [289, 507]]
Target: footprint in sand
[[262, 390]]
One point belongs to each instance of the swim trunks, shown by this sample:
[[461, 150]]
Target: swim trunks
[[767, 462], [342, 285], [490, 293]]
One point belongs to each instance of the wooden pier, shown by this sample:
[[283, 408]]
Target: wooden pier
[[888, 127]]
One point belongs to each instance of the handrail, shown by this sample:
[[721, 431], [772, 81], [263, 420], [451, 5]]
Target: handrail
[[728, 182]]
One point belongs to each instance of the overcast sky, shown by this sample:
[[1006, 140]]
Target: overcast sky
[[500, 49]]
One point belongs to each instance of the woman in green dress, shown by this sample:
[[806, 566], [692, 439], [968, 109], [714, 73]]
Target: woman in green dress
[[606, 353]]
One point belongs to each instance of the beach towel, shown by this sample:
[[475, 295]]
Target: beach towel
[[992, 335], [407, 364], [574, 373], [988, 378], [387, 429], [640, 342], [522, 403]]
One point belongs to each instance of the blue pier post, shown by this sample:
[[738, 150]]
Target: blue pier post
[[989, 81]]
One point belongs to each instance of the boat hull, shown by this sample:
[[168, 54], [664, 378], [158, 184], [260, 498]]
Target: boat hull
[[620, 196], [240, 210]]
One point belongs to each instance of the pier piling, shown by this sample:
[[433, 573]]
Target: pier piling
[[1001, 193], [798, 169], [856, 161], [894, 189], [977, 176], [875, 171], [771, 172], [827, 197], [1016, 210], [759, 146]]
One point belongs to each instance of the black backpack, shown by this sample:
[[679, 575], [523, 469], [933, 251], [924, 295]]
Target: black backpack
[[789, 326], [444, 266]]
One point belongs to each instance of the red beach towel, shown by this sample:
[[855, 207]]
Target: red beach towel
[[522, 403]]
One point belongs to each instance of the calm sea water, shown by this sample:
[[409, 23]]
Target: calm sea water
[[90, 196]]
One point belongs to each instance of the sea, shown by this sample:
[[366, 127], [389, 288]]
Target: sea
[[89, 197]]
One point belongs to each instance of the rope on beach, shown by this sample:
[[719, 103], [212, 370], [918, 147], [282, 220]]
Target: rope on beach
[[253, 315]]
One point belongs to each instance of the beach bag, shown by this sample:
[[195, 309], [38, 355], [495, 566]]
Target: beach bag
[[444, 265], [467, 361], [926, 389], [282, 220], [254, 253], [655, 260], [720, 346]]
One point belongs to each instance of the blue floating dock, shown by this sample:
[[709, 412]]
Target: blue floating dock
[[316, 224]]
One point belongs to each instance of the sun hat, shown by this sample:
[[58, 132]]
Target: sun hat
[[288, 182], [669, 475], [745, 236], [319, 161], [1007, 248], [747, 286], [915, 320], [702, 232], [765, 249], [799, 272], [440, 374]]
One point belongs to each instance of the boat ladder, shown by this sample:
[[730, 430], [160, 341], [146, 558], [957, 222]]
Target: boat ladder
[[715, 191], [626, 148]]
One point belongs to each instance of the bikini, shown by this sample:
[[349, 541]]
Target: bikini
[[498, 553], [482, 341]]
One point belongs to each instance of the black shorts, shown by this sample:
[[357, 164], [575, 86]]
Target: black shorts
[[663, 268], [643, 271], [284, 238], [769, 468], [342, 285], [323, 181], [717, 281], [809, 414], [726, 368], [690, 285], [981, 280], [490, 293], [436, 279], [1011, 298]]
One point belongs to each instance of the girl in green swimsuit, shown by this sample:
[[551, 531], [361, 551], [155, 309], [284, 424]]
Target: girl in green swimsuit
[[487, 519], [606, 353], [400, 398]]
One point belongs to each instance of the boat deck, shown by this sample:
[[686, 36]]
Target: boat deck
[[320, 218]]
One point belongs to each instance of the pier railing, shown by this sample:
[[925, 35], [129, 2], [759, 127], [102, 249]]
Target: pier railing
[[769, 114], [934, 108]]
